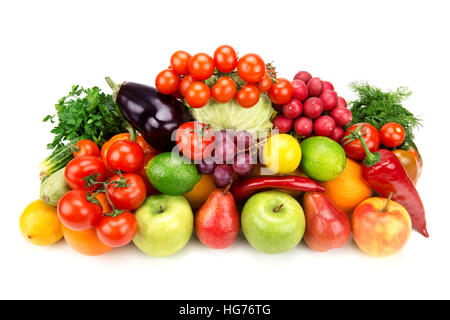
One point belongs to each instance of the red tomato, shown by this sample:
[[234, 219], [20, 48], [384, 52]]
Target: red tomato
[[224, 90], [265, 84], [78, 169], [251, 68], [180, 62], [86, 147], [117, 231], [197, 94], [126, 156], [143, 174], [167, 82], [354, 149], [127, 197], [392, 135], [201, 66], [193, 139], [248, 96], [281, 91], [184, 84], [76, 212], [225, 59]]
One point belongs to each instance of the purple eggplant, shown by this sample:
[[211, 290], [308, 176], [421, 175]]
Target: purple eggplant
[[154, 115]]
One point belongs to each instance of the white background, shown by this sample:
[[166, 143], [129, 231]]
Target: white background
[[46, 46]]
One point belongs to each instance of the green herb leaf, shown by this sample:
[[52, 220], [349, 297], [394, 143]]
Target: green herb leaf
[[85, 114], [379, 107]]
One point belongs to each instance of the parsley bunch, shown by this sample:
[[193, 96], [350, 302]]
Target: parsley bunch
[[379, 107], [86, 114]]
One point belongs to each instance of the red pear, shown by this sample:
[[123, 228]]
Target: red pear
[[217, 222], [327, 227]]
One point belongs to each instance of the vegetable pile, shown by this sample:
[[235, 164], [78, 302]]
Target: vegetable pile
[[222, 144]]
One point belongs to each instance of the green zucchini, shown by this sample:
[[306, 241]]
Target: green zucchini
[[54, 187], [59, 158]]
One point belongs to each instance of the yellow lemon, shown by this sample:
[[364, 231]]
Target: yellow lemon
[[282, 153], [39, 224]]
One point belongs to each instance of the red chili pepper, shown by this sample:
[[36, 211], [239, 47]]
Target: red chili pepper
[[245, 187], [384, 173]]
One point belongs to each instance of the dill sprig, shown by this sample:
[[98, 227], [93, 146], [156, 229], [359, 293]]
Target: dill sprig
[[379, 107]]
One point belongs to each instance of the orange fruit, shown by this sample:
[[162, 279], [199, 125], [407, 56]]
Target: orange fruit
[[201, 191], [85, 242], [349, 189]]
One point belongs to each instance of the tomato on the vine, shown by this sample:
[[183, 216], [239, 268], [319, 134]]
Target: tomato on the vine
[[167, 82], [127, 193], [201, 66], [194, 138], [86, 147], [76, 212], [248, 96], [117, 231], [265, 84], [79, 169], [225, 58], [251, 68], [125, 155], [354, 149], [180, 62], [392, 135], [281, 91], [197, 94], [224, 90]]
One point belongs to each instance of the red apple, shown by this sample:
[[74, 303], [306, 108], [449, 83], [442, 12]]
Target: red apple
[[381, 227], [327, 227]]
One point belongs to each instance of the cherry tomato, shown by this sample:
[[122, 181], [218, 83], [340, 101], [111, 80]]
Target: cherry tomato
[[265, 84], [86, 147], [117, 231], [354, 149], [167, 82], [225, 58], [126, 156], [281, 91], [78, 169], [180, 61], [251, 68], [197, 94], [193, 139], [224, 90], [392, 135], [184, 84], [76, 212], [248, 96], [201, 66], [127, 197]]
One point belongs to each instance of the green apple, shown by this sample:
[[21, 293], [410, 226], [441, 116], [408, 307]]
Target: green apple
[[273, 222], [165, 225]]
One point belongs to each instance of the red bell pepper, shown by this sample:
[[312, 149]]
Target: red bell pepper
[[384, 173], [243, 188]]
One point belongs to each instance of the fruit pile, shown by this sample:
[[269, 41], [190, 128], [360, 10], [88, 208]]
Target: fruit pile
[[223, 145]]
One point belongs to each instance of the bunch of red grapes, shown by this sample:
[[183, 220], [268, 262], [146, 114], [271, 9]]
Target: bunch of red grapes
[[315, 109], [234, 152]]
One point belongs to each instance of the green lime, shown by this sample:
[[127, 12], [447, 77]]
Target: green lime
[[171, 174], [323, 158]]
